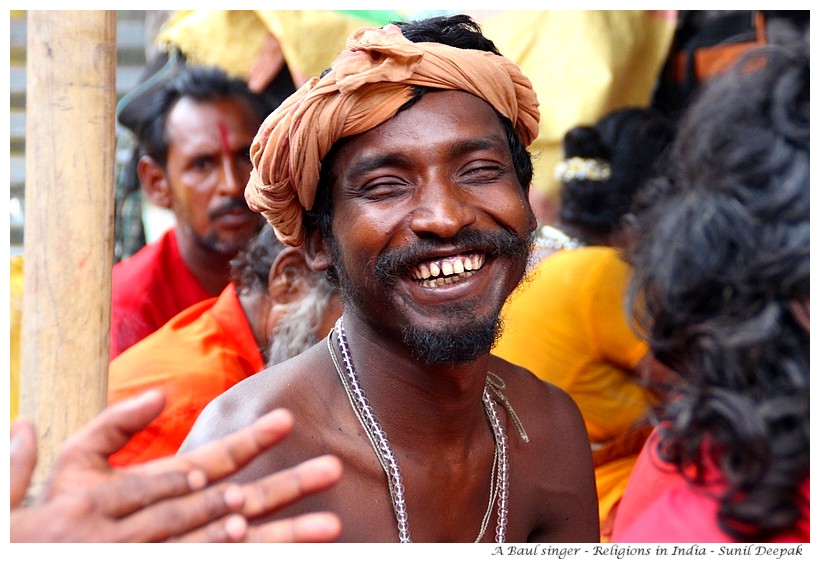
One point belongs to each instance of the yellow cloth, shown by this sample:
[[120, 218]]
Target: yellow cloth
[[369, 81], [311, 39], [231, 39], [583, 64], [16, 321], [568, 325]]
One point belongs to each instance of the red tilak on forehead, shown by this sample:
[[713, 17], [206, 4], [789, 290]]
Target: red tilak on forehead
[[223, 135]]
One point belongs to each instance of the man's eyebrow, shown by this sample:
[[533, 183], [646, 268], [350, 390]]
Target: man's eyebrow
[[368, 163], [490, 142]]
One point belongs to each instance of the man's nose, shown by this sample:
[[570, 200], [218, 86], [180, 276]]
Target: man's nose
[[442, 208], [231, 182]]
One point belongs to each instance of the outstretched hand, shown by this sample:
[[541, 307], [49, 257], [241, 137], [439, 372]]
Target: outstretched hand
[[177, 498]]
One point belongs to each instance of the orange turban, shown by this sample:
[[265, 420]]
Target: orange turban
[[367, 84]]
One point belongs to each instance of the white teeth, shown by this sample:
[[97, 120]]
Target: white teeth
[[451, 270]]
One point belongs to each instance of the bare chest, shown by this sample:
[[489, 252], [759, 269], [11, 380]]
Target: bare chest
[[444, 500]]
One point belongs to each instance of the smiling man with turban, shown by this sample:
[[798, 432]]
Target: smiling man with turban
[[403, 173]]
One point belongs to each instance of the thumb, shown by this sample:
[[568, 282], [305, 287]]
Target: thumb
[[23, 459]]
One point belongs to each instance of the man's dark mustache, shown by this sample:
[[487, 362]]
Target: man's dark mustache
[[224, 209], [396, 263]]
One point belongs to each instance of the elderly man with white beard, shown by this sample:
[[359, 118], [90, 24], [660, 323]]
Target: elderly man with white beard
[[275, 308]]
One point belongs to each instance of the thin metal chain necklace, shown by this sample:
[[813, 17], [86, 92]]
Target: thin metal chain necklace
[[499, 478]]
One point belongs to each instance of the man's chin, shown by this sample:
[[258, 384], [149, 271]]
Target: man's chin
[[452, 344], [227, 246]]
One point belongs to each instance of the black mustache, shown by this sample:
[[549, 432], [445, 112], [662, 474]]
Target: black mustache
[[399, 262], [224, 209]]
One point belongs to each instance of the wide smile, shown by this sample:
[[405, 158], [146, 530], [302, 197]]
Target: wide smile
[[442, 272]]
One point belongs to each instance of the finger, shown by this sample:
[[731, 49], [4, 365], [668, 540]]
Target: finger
[[22, 460], [179, 518], [267, 64], [123, 492], [136, 487], [313, 527], [290, 485], [112, 428], [82, 460], [176, 517], [225, 456], [232, 528]]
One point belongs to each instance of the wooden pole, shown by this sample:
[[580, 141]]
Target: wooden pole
[[69, 221]]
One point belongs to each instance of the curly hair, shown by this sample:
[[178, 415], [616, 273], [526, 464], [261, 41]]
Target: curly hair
[[722, 257]]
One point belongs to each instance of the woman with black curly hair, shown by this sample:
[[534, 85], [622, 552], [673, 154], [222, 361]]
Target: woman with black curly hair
[[722, 280]]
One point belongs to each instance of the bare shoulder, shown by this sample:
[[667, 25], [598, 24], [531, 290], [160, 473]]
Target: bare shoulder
[[289, 385], [550, 457], [538, 399]]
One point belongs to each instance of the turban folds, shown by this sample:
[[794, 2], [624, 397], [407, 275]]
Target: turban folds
[[367, 84]]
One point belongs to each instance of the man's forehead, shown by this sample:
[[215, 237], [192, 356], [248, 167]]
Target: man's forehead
[[220, 119], [230, 105], [467, 120]]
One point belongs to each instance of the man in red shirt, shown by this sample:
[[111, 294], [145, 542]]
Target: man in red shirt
[[194, 134], [275, 308]]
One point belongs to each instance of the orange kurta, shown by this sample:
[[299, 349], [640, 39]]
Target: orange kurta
[[568, 325], [197, 355]]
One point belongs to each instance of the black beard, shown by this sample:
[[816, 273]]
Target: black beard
[[214, 245], [471, 340], [465, 345]]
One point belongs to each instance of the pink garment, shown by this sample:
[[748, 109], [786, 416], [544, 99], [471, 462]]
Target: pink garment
[[660, 506]]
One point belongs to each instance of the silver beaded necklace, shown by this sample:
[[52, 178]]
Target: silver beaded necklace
[[499, 478]]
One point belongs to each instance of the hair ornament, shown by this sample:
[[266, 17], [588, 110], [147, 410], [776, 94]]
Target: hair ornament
[[579, 168]]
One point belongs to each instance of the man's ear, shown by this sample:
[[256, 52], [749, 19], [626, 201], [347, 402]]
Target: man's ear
[[154, 182], [316, 253], [289, 277]]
